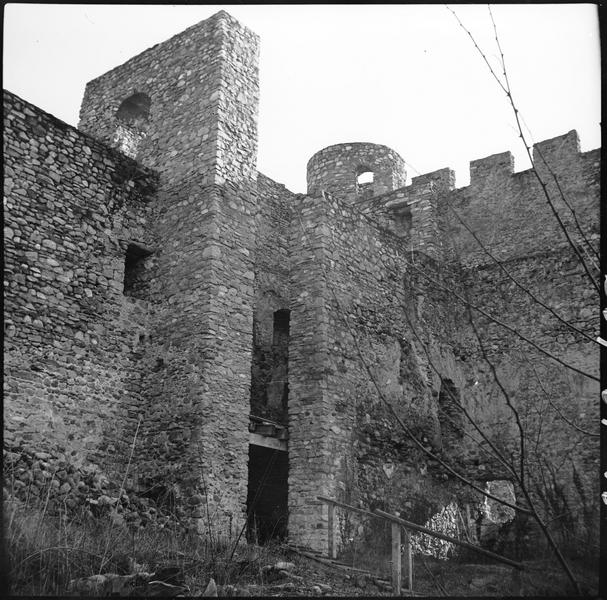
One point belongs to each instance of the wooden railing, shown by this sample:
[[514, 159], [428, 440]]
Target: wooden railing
[[398, 525]]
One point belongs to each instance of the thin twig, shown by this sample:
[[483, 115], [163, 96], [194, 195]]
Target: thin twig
[[502, 324], [496, 452], [559, 413], [495, 320], [393, 412], [508, 92], [513, 279]]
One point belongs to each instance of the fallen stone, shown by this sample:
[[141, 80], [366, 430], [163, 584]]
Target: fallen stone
[[211, 589], [108, 584]]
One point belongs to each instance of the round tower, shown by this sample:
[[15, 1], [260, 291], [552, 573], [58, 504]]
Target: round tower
[[355, 171]]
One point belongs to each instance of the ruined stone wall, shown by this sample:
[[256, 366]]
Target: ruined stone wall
[[72, 337], [203, 93], [188, 109], [343, 441], [273, 221], [379, 266], [201, 135], [511, 217], [509, 212]]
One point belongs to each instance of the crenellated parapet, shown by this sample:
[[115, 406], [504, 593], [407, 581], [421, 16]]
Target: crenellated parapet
[[497, 199]]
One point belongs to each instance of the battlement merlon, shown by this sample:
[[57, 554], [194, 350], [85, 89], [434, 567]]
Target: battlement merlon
[[496, 165], [557, 151]]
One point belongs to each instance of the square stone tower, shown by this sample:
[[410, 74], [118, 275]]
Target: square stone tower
[[187, 108]]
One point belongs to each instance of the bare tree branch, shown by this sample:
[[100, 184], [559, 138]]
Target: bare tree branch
[[388, 404], [501, 323], [513, 279], [558, 411], [508, 92]]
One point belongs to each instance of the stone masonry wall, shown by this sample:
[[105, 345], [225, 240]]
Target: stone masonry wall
[[343, 441], [72, 338], [145, 259], [201, 136], [509, 212], [190, 108], [374, 267], [335, 169]]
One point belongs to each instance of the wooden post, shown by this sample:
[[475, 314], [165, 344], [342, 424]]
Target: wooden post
[[331, 532], [396, 564], [409, 560]]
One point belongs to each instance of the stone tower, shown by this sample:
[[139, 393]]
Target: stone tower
[[187, 108]]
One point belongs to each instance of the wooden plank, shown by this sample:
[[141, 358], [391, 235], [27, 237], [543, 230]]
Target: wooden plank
[[409, 556], [396, 561], [331, 532], [265, 429], [360, 511], [448, 538], [267, 442], [330, 563]]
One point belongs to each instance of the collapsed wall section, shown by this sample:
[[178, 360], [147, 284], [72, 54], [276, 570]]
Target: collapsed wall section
[[73, 334]]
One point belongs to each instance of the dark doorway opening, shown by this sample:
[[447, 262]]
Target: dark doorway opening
[[267, 497]]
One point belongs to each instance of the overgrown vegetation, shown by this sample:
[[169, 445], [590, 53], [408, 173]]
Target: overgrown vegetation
[[45, 552]]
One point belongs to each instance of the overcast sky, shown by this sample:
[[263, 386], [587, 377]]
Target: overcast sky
[[402, 75]]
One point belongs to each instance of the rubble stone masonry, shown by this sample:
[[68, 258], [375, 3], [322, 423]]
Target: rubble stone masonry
[[158, 290]]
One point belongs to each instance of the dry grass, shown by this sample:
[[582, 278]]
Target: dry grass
[[43, 552]]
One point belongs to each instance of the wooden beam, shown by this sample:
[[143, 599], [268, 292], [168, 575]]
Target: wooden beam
[[396, 564], [255, 439], [409, 555], [331, 532], [360, 511], [448, 538]]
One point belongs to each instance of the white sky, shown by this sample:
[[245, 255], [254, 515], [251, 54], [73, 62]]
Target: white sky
[[402, 75]]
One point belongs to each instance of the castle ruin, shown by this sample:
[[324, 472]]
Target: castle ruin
[[173, 314]]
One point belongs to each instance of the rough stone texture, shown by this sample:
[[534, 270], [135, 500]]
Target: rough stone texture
[[272, 263], [193, 382], [335, 169], [368, 257], [71, 337], [154, 303]]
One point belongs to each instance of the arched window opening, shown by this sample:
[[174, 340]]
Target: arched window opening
[[134, 109], [132, 116], [364, 182]]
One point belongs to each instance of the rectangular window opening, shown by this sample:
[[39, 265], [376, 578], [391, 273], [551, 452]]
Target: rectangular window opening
[[134, 268]]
